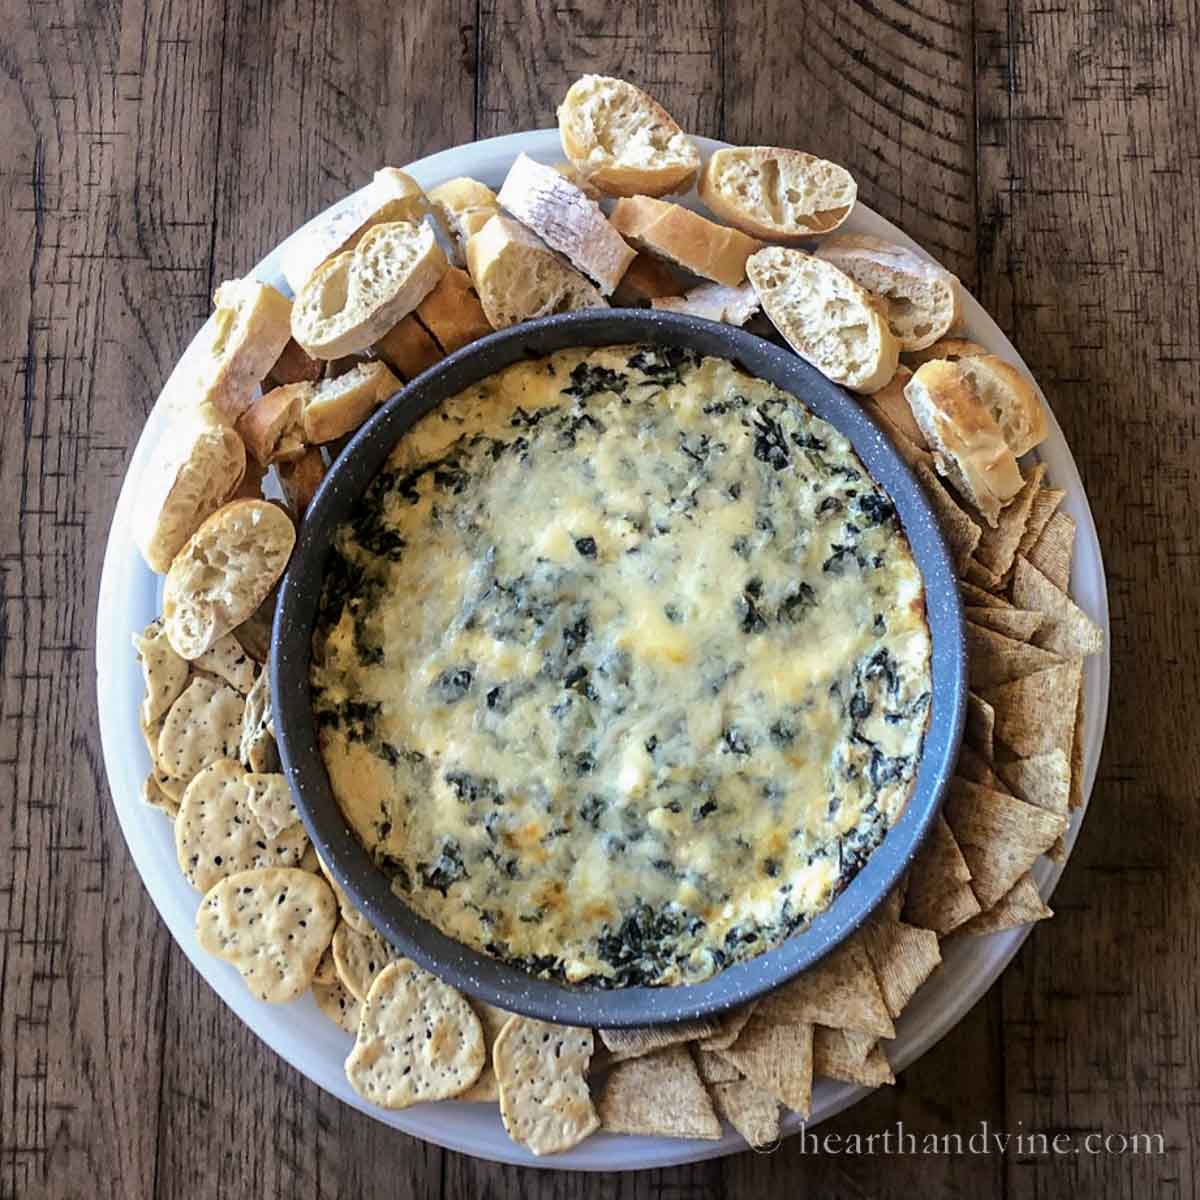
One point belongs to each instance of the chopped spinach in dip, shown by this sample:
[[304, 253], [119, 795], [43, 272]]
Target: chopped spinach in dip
[[622, 669]]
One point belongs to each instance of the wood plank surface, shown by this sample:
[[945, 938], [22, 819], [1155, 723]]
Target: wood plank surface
[[1047, 154]]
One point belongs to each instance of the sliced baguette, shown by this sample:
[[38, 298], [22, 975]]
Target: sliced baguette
[[566, 220], [714, 302], [356, 297], [950, 348], [293, 366], [519, 278], [684, 238], [390, 196], [825, 317], [196, 466], [224, 573], [968, 446], [270, 427], [647, 279], [338, 406], [409, 348], [623, 141], [777, 195], [919, 298], [1010, 398], [568, 170], [452, 312], [463, 206], [300, 478]]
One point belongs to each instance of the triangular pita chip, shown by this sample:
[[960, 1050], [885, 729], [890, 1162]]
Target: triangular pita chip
[[1037, 713], [1012, 622], [713, 1068], [1020, 905], [998, 546], [633, 1043], [903, 957], [973, 766], [1000, 837], [1045, 503], [1067, 630], [993, 658], [977, 596], [891, 401], [778, 1058], [841, 991], [1075, 799], [751, 1111], [980, 731], [960, 532], [729, 1025], [976, 573], [1053, 551], [939, 893], [1043, 779], [658, 1094], [831, 1060]]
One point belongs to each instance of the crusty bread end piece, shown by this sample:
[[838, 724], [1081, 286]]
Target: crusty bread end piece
[[357, 296], [777, 195], [968, 446], [825, 317], [684, 238], [195, 467], [519, 278], [224, 573], [623, 141], [566, 220]]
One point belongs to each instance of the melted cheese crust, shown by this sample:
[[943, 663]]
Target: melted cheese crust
[[622, 667]]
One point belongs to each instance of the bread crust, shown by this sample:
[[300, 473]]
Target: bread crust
[[339, 406], [408, 348], [646, 279], [462, 206], [452, 312], [300, 478], [684, 238], [271, 419]]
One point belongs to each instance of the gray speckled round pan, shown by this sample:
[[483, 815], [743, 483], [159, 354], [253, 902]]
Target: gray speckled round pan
[[473, 972]]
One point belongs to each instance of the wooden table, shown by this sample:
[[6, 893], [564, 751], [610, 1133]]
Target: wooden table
[[1046, 153]]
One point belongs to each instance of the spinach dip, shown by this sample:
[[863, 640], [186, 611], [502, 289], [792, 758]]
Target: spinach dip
[[621, 668]]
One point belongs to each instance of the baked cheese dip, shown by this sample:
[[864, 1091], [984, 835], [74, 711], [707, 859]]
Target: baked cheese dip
[[621, 669]]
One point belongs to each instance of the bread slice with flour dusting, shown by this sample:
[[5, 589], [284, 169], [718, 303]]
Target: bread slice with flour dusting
[[566, 220], [825, 317]]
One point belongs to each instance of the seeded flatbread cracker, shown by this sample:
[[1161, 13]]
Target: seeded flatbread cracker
[[346, 907], [359, 957], [973, 766], [997, 547], [960, 531], [273, 925], [544, 1099], [974, 595], [217, 833], [271, 802], [204, 724], [832, 1059], [713, 1067], [164, 672], [658, 1095], [980, 730], [903, 956], [634, 1042], [342, 1008], [1022, 904], [1067, 630], [778, 1058], [1000, 836], [729, 1025], [227, 659], [326, 970], [417, 1040], [1045, 504], [257, 748], [993, 658], [1012, 622], [751, 1111], [939, 895], [493, 1020], [1037, 713], [155, 797], [841, 991], [1053, 551]]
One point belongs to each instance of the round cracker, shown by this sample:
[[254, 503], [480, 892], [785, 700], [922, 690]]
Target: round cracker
[[165, 673], [204, 724], [227, 659], [338, 1003], [359, 957], [417, 1040], [273, 925]]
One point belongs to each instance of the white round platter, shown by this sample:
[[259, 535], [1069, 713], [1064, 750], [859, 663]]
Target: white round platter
[[129, 600]]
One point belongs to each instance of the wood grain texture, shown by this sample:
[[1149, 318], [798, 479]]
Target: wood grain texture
[[1048, 154]]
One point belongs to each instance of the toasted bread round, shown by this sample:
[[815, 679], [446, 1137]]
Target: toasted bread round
[[919, 298], [462, 207], [241, 343], [623, 141], [1011, 400], [825, 317], [777, 195], [224, 573], [196, 466], [949, 348], [452, 312]]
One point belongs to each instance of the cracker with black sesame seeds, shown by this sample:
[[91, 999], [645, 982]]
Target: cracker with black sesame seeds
[[340, 1005], [257, 747], [418, 1040], [271, 802], [227, 659], [493, 1020], [203, 725], [359, 957], [164, 672]]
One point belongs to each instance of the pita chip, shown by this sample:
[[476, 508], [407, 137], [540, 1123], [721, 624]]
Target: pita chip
[[1067, 630], [993, 658], [997, 547], [1037, 713], [1022, 904], [939, 893], [778, 1058], [1012, 622], [1053, 551]]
